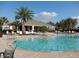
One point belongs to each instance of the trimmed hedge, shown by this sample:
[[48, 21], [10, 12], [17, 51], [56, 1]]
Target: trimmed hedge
[[44, 29]]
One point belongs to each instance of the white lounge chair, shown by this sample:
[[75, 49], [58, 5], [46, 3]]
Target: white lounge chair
[[26, 32], [56, 31], [7, 32], [69, 31], [17, 31], [13, 32], [73, 31], [20, 32]]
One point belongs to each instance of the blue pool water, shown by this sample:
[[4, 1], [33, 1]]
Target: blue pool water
[[51, 43]]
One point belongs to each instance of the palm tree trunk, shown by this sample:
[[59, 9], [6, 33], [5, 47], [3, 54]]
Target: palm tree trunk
[[17, 28], [23, 28]]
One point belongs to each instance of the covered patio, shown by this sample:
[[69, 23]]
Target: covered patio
[[34, 26]]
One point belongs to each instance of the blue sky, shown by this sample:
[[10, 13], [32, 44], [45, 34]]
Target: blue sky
[[43, 11]]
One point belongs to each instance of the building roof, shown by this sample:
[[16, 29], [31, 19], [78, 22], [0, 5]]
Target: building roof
[[36, 23]]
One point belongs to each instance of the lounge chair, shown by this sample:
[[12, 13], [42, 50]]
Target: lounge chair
[[30, 33], [33, 32], [20, 32], [13, 32], [9, 51], [8, 54], [73, 31], [7, 32], [26, 32], [1, 53]]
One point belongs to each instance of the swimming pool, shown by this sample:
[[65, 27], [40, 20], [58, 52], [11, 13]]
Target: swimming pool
[[51, 43]]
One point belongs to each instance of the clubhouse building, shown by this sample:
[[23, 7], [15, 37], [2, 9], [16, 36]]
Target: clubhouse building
[[29, 26]]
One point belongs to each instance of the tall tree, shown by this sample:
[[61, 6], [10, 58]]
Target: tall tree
[[67, 24], [57, 25], [3, 20], [23, 14], [70, 23], [51, 23], [17, 23]]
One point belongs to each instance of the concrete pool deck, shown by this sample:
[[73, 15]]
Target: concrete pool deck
[[21, 53]]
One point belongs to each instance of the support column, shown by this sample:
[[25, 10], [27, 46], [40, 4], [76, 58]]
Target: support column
[[37, 29], [32, 28]]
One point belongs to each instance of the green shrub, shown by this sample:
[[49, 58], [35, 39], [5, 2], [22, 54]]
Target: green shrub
[[44, 29]]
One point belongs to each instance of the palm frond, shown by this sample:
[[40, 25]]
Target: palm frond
[[24, 14]]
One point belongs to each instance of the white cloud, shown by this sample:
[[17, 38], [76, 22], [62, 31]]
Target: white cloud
[[76, 17], [47, 14]]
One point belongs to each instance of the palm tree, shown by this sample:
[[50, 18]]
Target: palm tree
[[3, 20], [17, 23], [67, 24], [51, 23], [23, 14]]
